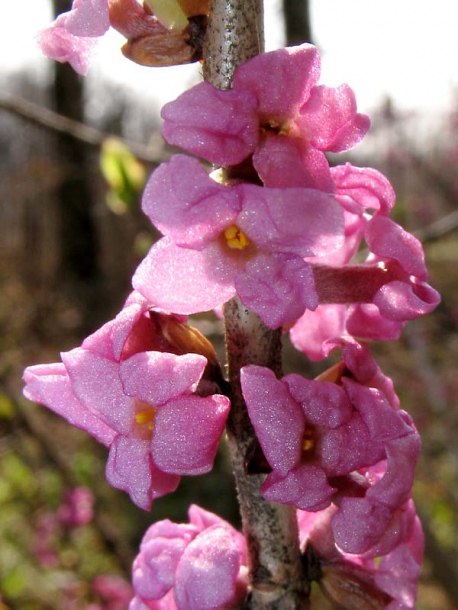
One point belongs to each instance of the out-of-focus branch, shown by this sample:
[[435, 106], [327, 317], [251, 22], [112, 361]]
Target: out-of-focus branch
[[43, 117], [438, 228]]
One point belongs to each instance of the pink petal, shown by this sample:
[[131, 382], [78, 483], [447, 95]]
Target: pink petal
[[220, 126], [278, 288], [397, 532], [100, 342], [113, 337], [282, 79], [49, 385], [365, 320], [324, 404], [168, 530], [305, 487], [129, 467], [153, 571], [207, 575], [329, 119], [185, 281], [306, 222], [182, 201], [361, 189], [287, 162], [316, 332], [395, 487], [387, 239], [165, 603], [359, 524], [157, 377], [96, 382], [277, 419], [348, 448], [383, 422], [400, 302], [58, 44], [87, 18], [132, 332], [203, 519], [187, 432]]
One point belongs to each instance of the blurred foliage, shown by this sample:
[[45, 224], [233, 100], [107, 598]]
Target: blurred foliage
[[124, 174]]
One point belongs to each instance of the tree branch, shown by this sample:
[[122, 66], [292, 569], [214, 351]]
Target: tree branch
[[277, 580], [43, 117]]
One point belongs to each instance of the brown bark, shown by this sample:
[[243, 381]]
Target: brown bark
[[277, 580]]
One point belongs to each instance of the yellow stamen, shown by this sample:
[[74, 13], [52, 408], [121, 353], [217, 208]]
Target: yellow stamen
[[145, 417], [274, 127], [236, 238], [307, 444], [308, 441]]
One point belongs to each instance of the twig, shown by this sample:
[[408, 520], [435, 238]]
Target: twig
[[38, 115]]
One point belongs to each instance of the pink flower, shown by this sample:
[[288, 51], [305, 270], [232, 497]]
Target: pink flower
[[138, 401], [45, 540], [77, 508], [375, 299], [113, 590], [275, 112], [391, 581], [226, 240], [195, 566], [321, 439]]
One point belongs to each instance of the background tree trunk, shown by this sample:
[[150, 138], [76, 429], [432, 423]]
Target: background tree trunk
[[297, 21], [79, 247]]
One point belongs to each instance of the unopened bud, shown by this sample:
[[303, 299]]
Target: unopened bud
[[168, 47]]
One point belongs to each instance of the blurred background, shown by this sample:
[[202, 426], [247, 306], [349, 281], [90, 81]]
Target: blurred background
[[74, 155]]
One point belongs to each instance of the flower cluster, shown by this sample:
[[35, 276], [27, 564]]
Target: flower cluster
[[280, 229], [195, 566], [202, 565]]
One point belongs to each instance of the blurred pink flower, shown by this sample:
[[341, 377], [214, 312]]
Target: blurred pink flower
[[114, 591], [45, 540], [77, 508], [138, 401], [274, 112]]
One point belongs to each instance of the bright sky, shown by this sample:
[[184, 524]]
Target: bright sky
[[407, 49]]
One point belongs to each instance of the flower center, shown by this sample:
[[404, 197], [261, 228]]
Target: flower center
[[308, 442], [273, 127], [144, 419], [236, 239]]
